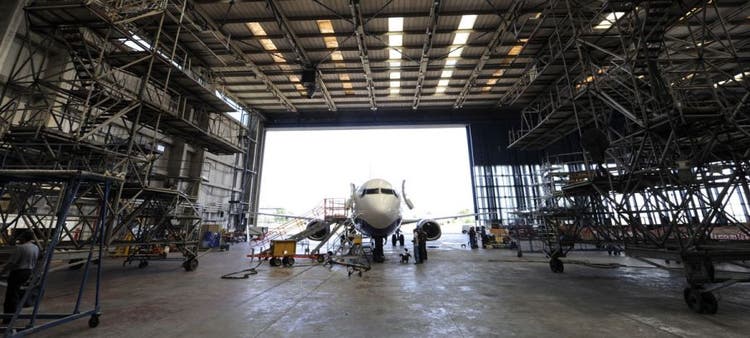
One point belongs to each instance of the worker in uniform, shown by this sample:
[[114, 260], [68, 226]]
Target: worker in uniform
[[21, 265], [473, 238], [422, 245], [417, 258]]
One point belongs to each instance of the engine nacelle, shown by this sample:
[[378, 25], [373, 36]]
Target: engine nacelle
[[431, 228], [320, 234]]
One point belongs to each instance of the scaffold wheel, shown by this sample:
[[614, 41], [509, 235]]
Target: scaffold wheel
[[142, 264], [76, 266], [556, 265], [94, 321], [190, 265]]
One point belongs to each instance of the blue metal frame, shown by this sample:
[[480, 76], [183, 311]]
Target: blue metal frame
[[69, 195]]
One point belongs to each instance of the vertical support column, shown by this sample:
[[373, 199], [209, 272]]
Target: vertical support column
[[10, 25]]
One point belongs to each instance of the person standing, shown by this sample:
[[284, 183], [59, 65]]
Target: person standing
[[417, 258], [473, 238], [422, 245], [21, 265]]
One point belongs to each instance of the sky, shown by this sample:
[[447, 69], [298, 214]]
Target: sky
[[302, 167]]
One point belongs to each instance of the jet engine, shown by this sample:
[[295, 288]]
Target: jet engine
[[320, 234], [431, 228]]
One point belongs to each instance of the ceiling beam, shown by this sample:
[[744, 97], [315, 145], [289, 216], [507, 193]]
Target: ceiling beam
[[243, 73], [424, 60], [308, 18], [360, 36], [221, 35], [302, 57], [508, 21]]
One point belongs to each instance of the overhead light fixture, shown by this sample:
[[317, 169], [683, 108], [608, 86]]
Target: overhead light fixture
[[446, 74], [515, 50], [443, 83], [440, 89]]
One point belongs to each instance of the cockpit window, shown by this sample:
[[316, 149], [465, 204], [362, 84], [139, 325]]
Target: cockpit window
[[388, 191], [374, 191], [370, 191]]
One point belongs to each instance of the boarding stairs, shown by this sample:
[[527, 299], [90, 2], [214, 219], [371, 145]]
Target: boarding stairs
[[330, 211]]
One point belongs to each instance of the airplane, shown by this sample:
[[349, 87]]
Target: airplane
[[376, 212]]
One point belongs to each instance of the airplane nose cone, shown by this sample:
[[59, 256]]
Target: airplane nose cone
[[381, 214]]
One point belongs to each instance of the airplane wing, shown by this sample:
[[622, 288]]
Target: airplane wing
[[284, 216], [415, 220]]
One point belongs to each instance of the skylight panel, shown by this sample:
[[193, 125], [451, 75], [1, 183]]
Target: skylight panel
[[515, 50], [461, 38], [446, 74], [267, 44], [331, 42], [456, 52], [394, 53], [609, 20], [325, 26], [256, 29], [737, 78], [396, 24], [396, 40], [467, 21]]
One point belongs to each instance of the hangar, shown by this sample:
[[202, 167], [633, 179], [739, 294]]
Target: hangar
[[131, 127]]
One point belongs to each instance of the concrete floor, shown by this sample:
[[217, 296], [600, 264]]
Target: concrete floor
[[457, 293]]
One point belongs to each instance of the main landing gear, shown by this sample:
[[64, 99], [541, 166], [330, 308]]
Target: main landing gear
[[700, 301]]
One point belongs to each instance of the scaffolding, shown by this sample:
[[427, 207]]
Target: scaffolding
[[104, 88], [656, 91], [61, 197]]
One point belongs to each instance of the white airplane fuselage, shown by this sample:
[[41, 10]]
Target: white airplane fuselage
[[376, 208]]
